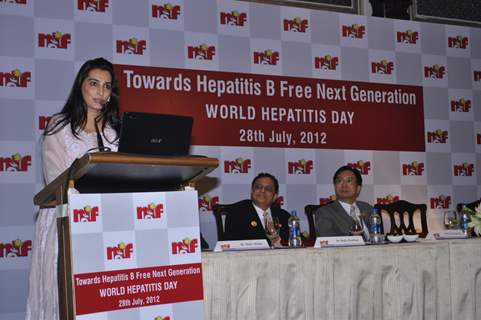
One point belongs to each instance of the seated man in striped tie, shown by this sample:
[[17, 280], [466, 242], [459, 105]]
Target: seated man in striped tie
[[258, 217], [338, 217]]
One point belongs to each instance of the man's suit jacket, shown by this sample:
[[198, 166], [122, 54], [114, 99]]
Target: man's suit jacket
[[332, 220], [242, 222]]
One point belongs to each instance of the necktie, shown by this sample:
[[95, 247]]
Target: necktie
[[352, 211], [267, 219]]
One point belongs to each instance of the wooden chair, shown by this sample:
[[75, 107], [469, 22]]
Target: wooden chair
[[404, 208], [220, 212], [310, 210], [471, 205]]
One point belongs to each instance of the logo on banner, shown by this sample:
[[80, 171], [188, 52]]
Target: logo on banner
[[162, 318], [300, 167], [15, 163], [15, 1], [326, 63], [166, 11], [55, 40], [460, 105], [207, 203], [15, 78], [441, 202], [382, 67], [477, 75], [234, 18], [459, 42], [43, 122], [354, 31], [121, 251], [363, 166], [323, 201], [152, 211], [407, 37], [86, 214], [296, 25], [131, 46], [16, 248], [238, 165], [434, 72], [413, 169], [202, 52], [185, 246], [267, 57], [92, 5], [387, 199], [438, 136], [478, 138], [464, 170]]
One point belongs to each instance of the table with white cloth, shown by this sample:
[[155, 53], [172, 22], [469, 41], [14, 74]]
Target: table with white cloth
[[422, 280]]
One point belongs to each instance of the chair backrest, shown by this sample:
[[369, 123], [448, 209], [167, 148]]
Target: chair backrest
[[310, 210], [403, 208], [471, 205], [220, 211]]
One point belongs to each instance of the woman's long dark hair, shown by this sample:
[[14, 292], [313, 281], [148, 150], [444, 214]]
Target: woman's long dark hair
[[74, 112]]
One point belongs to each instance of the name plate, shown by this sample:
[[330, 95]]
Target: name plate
[[324, 242], [240, 245], [450, 234]]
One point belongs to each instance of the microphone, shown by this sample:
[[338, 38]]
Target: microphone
[[100, 142]]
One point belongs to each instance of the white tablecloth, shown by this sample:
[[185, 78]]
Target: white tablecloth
[[422, 280]]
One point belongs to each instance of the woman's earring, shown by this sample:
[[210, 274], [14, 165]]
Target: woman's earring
[[108, 99]]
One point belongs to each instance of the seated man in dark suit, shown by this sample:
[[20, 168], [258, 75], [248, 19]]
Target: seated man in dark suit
[[337, 217], [247, 219]]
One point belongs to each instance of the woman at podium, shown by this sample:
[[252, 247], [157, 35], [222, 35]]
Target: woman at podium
[[88, 121]]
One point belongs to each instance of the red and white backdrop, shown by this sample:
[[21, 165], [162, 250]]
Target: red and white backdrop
[[290, 91]]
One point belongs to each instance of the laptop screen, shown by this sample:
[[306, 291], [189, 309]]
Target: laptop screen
[[155, 134]]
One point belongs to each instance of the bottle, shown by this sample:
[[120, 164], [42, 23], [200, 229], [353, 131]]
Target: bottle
[[464, 220], [294, 230], [375, 227]]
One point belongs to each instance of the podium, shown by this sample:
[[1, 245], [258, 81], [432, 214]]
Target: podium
[[112, 173]]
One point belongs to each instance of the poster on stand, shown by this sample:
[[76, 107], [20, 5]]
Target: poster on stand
[[136, 255]]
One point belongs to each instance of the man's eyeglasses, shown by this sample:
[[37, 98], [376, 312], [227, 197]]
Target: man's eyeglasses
[[259, 187]]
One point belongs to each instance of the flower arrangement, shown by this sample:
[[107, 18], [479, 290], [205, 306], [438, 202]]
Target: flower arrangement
[[475, 223]]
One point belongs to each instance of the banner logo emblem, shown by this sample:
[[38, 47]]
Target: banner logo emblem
[[267, 57], [121, 251], [92, 5], [16, 163], [16, 248], [15, 78], [234, 18], [185, 246], [131, 46], [238, 165], [167, 11], [300, 167], [55, 40], [86, 214], [354, 31], [407, 37]]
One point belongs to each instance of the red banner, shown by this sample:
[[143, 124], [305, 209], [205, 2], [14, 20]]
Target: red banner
[[234, 109], [133, 288]]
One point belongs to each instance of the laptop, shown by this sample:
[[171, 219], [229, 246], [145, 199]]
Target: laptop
[[155, 134]]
